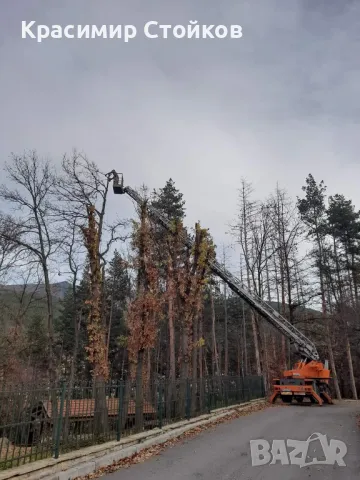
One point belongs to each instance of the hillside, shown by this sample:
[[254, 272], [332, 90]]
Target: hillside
[[19, 304], [58, 289]]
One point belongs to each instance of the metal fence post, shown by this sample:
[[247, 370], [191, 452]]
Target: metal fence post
[[188, 399], [208, 398], [160, 406], [263, 386], [120, 410], [246, 389], [59, 422], [226, 392], [237, 390]]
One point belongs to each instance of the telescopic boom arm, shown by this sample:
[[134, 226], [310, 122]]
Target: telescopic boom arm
[[304, 346]]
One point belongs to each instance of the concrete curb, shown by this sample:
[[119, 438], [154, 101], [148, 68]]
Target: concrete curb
[[89, 460]]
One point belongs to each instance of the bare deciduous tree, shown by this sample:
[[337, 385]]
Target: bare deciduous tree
[[33, 229], [9, 249], [82, 190]]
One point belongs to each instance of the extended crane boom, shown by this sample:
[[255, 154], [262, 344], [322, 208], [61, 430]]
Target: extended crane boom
[[304, 346]]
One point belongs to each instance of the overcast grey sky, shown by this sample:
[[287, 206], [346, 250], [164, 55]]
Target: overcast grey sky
[[275, 105]]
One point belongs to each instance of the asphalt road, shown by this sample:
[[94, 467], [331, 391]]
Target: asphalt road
[[224, 453]]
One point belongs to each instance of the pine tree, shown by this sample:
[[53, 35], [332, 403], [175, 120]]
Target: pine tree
[[37, 344], [312, 210], [118, 290], [169, 201], [344, 228], [70, 312]]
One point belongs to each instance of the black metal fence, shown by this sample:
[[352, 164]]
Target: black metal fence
[[42, 422]]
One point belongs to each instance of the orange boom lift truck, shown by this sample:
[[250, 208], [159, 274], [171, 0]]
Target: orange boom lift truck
[[309, 377]]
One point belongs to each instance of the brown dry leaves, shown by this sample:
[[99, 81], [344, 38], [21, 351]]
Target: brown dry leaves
[[150, 452], [144, 311], [97, 348]]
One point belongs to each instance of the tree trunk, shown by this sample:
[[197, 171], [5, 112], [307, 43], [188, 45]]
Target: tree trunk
[[159, 360], [201, 347], [245, 350], [243, 323], [350, 276], [215, 358], [324, 318], [351, 369], [283, 312], [355, 280], [226, 340], [110, 315], [194, 388], [125, 410], [101, 412], [50, 324], [172, 358], [344, 322], [256, 343], [219, 349], [332, 362], [97, 353], [123, 363], [77, 324], [255, 335], [139, 408], [206, 368], [244, 226], [184, 369], [185, 353], [201, 375], [51, 356], [288, 284]]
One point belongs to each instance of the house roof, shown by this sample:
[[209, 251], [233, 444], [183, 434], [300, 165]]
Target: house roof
[[86, 407]]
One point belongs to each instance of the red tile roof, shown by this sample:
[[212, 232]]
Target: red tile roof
[[86, 407]]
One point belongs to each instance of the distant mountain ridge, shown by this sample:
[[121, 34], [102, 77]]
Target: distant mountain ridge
[[58, 289]]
